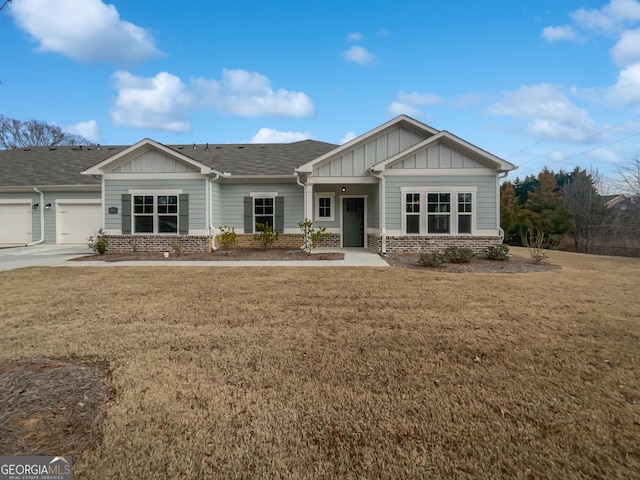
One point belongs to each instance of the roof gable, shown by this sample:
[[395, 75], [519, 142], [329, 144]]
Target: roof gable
[[451, 152], [148, 156], [354, 158]]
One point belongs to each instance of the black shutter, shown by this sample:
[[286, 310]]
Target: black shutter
[[279, 220], [183, 208], [126, 214], [248, 215]]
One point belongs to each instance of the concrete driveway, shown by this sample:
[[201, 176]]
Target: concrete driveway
[[39, 255]]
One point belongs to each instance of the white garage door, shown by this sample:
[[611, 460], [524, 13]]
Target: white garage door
[[77, 221], [15, 223]]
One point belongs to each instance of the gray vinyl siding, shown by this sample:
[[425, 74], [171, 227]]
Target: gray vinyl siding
[[233, 202], [50, 214], [356, 162], [436, 157], [196, 189], [485, 200], [216, 205]]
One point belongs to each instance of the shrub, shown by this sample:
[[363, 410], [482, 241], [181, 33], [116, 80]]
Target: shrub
[[227, 238], [99, 243], [177, 248], [431, 259], [266, 235], [311, 236], [537, 243], [458, 255], [497, 252]]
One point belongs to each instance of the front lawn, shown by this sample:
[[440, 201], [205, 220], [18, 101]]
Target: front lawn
[[279, 372]]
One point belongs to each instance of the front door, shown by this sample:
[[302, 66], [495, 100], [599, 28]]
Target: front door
[[353, 222]]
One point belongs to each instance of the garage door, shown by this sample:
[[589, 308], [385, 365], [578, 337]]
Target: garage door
[[77, 221], [15, 223]]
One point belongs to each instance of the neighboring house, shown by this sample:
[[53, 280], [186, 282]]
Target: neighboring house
[[403, 186]]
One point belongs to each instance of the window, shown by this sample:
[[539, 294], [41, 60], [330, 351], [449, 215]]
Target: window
[[464, 213], [324, 206], [438, 212], [263, 211], [412, 209], [155, 214]]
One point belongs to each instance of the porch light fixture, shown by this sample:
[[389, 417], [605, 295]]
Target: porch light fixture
[[35, 206], [344, 189], [47, 206]]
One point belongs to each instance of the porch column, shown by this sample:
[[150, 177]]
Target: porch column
[[308, 192]]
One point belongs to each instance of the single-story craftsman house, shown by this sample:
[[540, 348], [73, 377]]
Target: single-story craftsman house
[[402, 186]]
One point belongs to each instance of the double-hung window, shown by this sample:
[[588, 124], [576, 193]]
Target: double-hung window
[[438, 213], [464, 213], [324, 206], [263, 211], [155, 214], [412, 211]]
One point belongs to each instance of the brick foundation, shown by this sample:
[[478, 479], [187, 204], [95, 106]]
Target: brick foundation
[[292, 241], [158, 243], [416, 244]]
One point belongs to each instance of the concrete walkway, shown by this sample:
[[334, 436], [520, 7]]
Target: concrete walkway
[[58, 256]]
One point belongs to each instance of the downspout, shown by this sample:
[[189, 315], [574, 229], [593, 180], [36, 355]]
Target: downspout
[[211, 227], [304, 194], [382, 203], [41, 218], [500, 229]]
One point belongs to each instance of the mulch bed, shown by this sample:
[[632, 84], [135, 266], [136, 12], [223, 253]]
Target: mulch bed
[[514, 264], [236, 254], [52, 406]]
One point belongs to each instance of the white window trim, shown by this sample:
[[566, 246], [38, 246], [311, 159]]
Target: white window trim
[[255, 195], [317, 197], [155, 194], [453, 214]]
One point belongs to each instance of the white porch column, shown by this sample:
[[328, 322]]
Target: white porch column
[[308, 192]]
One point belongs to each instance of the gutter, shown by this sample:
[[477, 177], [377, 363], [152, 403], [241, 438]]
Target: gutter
[[35, 189], [382, 202]]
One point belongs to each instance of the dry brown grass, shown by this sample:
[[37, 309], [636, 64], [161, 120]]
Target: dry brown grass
[[348, 372]]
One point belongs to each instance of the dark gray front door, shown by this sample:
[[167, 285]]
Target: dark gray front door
[[353, 222]]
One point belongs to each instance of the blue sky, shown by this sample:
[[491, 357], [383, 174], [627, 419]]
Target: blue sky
[[544, 82]]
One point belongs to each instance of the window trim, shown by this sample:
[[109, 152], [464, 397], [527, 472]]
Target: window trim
[[255, 195], [332, 197], [155, 194], [453, 214]]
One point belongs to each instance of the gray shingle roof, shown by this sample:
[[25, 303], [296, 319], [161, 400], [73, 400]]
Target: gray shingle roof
[[62, 165]]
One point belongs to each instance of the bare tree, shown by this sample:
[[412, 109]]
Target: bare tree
[[628, 176], [32, 133], [586, 207]]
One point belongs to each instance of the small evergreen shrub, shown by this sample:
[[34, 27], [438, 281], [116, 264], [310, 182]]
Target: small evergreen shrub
[[227, 238], [311, 236], [99, 243], [431, 259], [497, 252], [458, 255], [266, 235]]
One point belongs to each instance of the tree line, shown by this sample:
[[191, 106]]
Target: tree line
[[570, 212]]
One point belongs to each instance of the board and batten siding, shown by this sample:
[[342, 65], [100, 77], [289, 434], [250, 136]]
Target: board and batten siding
[[356, 162], [436, 157], [154, 161], [195, 188], [486, 208], [233, 203]]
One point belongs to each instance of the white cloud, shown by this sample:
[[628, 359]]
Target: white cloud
[[269, 135], [249, 94], [157, 103], [411, 103], [88, 130], [564, 32], [550, 112], [84, 30], [627, 50], [627, 87], [355, 37], [347, 137], [359, 55], [398, 108], [611, 19]]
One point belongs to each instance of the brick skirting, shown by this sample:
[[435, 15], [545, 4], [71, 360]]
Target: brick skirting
[[416, 244], [285, 240], [159, 243]]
